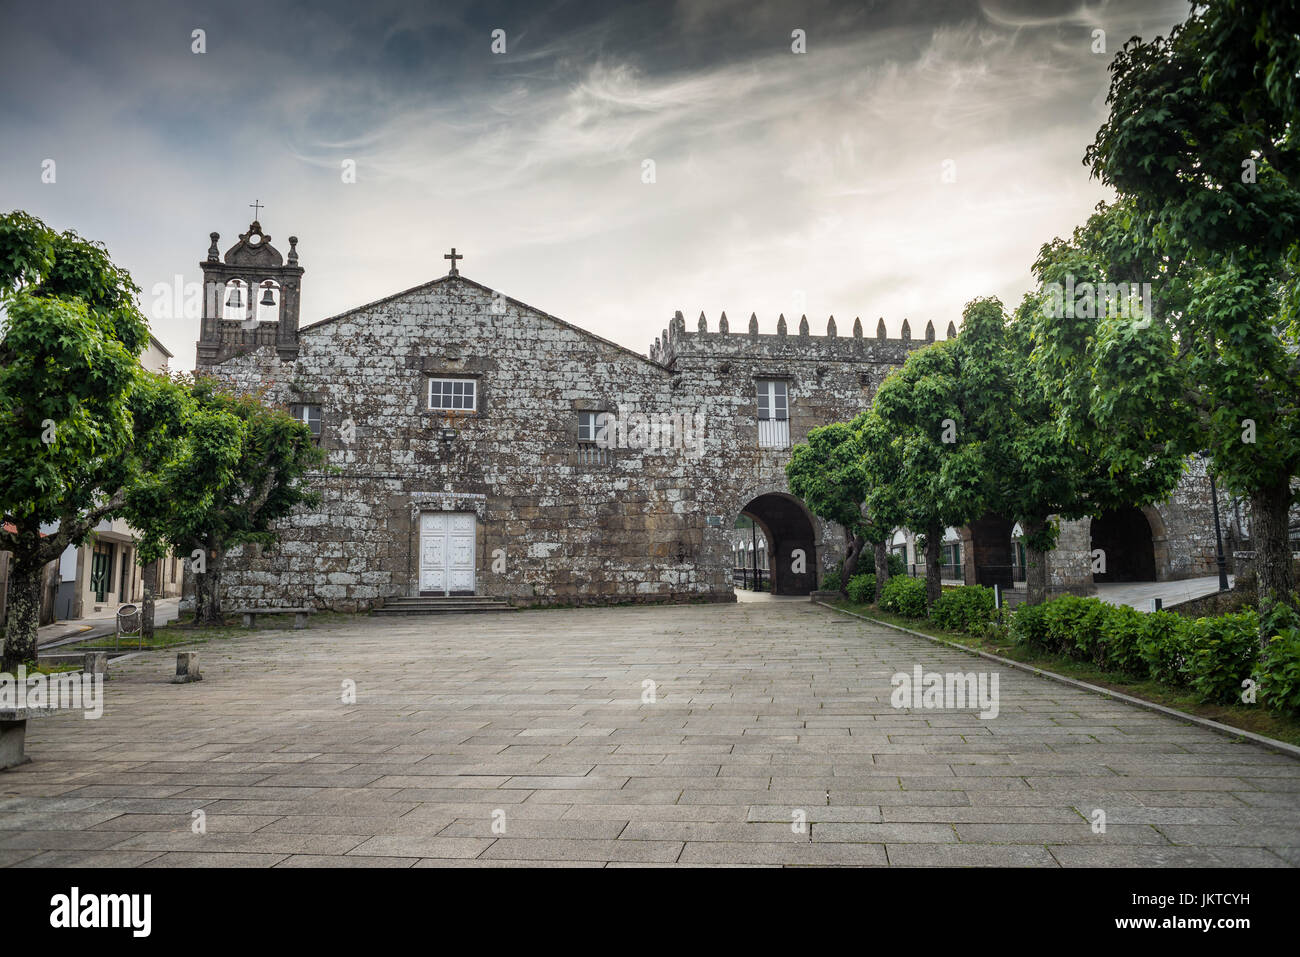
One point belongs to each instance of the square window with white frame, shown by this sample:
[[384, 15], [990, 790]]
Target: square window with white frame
[[590, 425], [309, 414], [773, 413], [459, 395]]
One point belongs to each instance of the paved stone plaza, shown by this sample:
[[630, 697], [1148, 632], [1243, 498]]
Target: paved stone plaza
[[762, 709]]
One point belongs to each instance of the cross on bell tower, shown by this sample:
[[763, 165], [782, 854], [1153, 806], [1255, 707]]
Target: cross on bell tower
[[453, 257]]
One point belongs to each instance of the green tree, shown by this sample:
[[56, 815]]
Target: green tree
[[167, 411], [826, 472], [1042, 460], [245, 468], [74, 426], [1201, 144], [914, 476]]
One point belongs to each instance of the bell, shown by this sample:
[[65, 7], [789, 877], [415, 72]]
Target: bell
[[267, 298], [235, 300]]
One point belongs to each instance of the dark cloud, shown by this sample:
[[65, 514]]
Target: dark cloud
[[784, 183]]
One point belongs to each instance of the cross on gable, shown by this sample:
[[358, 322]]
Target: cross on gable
[[453, 257], [256, 207]]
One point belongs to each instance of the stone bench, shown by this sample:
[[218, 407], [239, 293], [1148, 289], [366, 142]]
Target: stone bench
[[250, 614], [13, 734]]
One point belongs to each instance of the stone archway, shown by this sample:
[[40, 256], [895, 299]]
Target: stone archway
[[987, 552], [1126, 537], [788, 527]]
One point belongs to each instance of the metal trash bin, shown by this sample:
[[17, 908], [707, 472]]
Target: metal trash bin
[[128, 623]]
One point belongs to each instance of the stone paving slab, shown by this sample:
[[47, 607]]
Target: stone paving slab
[[523, 740]]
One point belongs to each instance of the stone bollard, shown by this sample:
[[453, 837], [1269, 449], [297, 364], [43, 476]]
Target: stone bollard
[[95, 663], [187, 668]]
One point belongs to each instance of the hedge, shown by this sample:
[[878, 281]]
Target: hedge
[[1213, 657], [1221, 653], [862, 589], [968, 608], [904, 596]]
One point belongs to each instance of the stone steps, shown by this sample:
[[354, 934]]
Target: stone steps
[[439, 605]]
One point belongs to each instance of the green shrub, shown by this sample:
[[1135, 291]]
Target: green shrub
[[1121, 632], [1163, 646], [862, 589], [967, 608], [1029, 626], [896, 565], [1279, 673], [1074, 626], [831, 581], [904, 596], [1221, 654]]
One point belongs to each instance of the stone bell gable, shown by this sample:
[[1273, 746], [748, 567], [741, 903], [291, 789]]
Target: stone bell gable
[[250, 299]]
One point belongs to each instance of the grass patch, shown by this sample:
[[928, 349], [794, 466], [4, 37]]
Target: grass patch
[[39, 669], [1255, 719], [178, 633]]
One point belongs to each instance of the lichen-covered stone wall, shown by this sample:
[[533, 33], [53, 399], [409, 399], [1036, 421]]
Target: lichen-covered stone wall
[[558, 522]]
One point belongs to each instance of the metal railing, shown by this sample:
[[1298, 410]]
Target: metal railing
[[773, 433], [751, 579], [590, 454]]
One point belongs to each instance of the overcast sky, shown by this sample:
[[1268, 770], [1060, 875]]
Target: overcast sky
[[784, 182]]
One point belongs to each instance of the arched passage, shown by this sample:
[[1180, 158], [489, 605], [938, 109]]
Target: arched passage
[[1124, 536], [986, 546], [785, 524]]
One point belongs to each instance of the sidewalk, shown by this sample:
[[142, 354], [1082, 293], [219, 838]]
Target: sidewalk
[[80, 629]]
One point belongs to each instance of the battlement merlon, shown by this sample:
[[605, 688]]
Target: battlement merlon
[[676, 342]]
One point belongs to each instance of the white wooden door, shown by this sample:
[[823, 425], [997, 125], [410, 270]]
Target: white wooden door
[[447, 552]]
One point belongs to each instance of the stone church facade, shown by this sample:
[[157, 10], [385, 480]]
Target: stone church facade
[[482, 446]]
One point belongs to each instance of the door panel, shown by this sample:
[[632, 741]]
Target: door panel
[[447, 552]]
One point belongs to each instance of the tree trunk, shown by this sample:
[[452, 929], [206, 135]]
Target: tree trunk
[[882, 568], [1269, 515], [850, 559], [23, 612], [149, 579], [1035, 562], [933, 581], [210, 584]]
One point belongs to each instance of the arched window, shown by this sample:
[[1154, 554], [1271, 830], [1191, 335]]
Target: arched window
[[235, 304], [268, 301]]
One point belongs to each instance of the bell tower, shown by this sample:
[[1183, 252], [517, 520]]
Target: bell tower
[[250, 299]]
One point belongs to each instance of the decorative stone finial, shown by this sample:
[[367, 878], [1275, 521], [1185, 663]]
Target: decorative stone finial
[[722, 323], [780, 325], [929, 331], [293, 250], [881, 333], [952, 330], [214, 254], [906, 332], [857, 327], [703, 323], [830, 327], [803, 326], [753, 324]]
